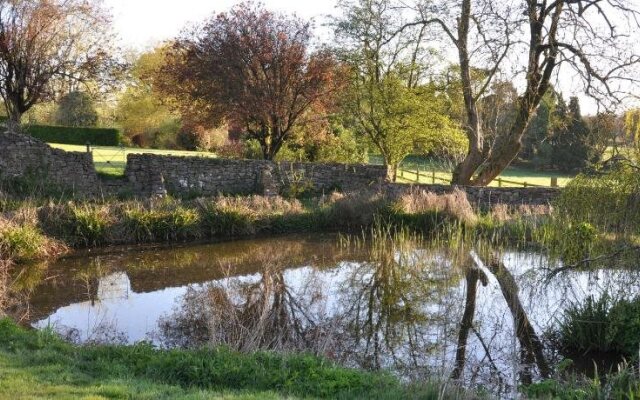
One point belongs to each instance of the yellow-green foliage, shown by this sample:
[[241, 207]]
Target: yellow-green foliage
[[609, 201]]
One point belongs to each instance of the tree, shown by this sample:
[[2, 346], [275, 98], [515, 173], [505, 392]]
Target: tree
[[142, 112], [254, 68], [605, 128], [632, 126], [46, 42], [76, 109], [536, 146], [387, 100], [570, 137], [591, 37]]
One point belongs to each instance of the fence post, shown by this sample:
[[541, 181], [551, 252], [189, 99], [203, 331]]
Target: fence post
[[88, 147], [554, 182], [418, 173], [401, 172], [525, 184], [499, 182], [433, 177]]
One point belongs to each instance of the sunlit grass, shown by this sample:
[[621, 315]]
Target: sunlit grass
[[512, 174], [112, 160]]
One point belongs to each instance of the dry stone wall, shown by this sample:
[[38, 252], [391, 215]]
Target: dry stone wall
[[24, 156], [155, 175], [184, 176]]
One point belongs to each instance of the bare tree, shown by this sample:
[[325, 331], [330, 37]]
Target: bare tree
[[46, 42], [592, 38]]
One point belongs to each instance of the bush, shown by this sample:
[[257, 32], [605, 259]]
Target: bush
[[79, 136], [608, 201]]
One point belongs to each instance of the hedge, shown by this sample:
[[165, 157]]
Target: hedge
[[71, 135]]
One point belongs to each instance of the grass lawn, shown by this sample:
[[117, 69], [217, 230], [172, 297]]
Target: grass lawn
[[511, 177], [35, 365], [112, 160]]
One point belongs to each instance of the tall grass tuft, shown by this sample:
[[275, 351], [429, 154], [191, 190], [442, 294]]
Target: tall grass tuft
[[601, 325], [454, 204], [168, 221], [352, 212], [78, 224], [23, 243]]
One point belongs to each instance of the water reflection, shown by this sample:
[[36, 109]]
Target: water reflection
[[404, 305]]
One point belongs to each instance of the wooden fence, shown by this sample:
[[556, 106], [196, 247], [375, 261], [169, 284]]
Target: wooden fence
[[431, 176]]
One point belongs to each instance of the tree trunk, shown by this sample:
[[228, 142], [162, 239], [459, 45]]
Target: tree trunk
[[505, 149], [14, 119], [464, 171]]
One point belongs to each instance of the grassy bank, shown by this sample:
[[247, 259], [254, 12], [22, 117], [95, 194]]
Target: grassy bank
[[37, 364], [33, 232]]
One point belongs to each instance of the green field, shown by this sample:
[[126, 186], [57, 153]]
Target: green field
[[511, 177], [112, 160], [437, 172]]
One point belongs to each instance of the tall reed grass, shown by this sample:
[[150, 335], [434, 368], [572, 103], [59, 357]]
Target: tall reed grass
[[97, 223]]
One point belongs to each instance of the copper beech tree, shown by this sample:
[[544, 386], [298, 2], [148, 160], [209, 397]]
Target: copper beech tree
[[49, 45], [254, 69]]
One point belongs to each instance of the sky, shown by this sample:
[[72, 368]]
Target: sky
[[143, 23]]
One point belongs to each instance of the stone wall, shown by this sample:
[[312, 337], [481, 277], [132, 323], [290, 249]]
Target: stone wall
[[147, 174], [484, 197], [150, 175], [24, 156]]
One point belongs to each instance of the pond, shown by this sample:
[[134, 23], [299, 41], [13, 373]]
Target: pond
[[405, 305]]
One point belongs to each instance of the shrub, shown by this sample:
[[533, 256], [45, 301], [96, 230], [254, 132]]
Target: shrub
[[570, 241], [79, 136], [608, 201]]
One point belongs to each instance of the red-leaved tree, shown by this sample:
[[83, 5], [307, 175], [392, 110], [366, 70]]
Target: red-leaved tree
[[253, 68]]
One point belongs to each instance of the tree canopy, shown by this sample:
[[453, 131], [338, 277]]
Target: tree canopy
[[47, 46], [255, 69]]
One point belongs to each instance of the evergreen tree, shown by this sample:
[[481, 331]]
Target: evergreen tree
[[570, 137]]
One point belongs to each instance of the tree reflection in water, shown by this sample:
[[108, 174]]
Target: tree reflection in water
[[391, 301], [255, 312], [387, 312]]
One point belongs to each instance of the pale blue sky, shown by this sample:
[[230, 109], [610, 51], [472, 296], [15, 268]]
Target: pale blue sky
[[141, 23]]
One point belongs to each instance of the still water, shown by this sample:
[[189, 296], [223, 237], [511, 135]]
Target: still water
[[398, 305]]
